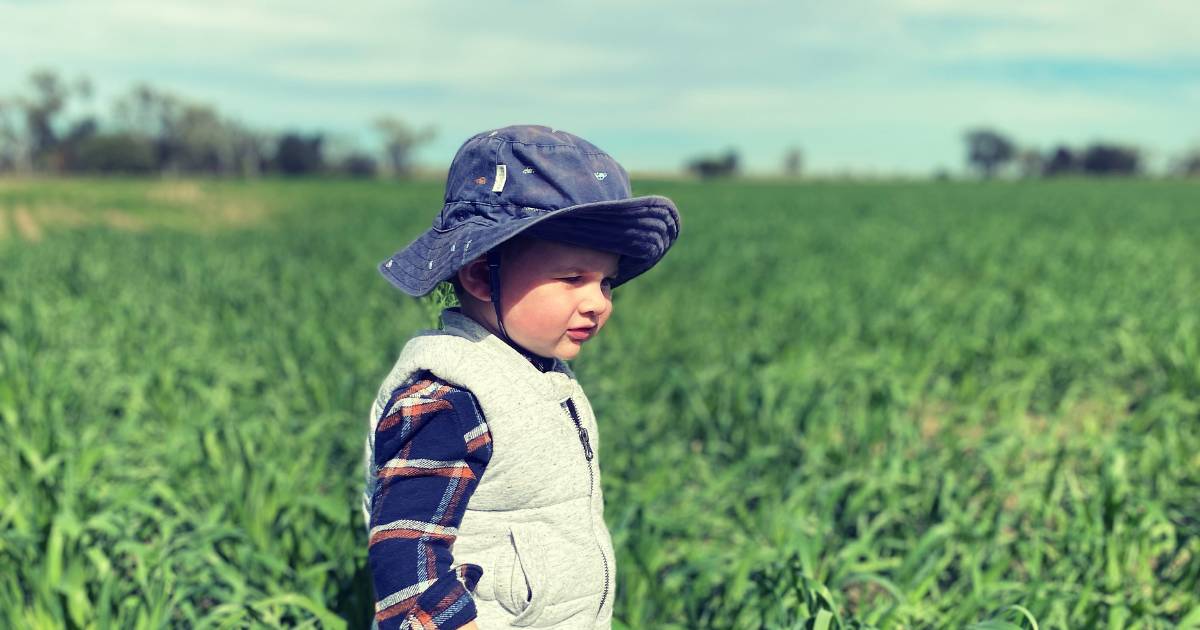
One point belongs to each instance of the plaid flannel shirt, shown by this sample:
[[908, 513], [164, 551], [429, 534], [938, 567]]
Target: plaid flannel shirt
[[431, 448]]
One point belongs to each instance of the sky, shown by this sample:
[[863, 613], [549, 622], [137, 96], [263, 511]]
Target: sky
[[867, 87]]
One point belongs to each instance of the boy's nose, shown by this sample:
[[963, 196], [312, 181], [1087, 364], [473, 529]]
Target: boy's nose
[[596, 302]]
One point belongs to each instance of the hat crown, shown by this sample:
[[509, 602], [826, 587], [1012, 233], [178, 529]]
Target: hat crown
[[529, 179], [520, 169]]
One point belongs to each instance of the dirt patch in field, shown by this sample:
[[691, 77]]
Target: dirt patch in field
[[59, 216], [30, 223], [176, 193], [182, 205], [27, 226], [936, 422], [1089, 418], [240, 213], [124, 221], [932, 418], [203, 210]]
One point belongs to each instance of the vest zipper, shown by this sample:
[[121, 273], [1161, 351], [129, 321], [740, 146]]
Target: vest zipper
[[583, 434], [588, 454]]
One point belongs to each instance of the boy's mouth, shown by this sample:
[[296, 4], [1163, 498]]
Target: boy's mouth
[[581, 334]]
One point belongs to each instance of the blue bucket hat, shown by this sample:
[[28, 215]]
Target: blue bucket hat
[[544, 182]]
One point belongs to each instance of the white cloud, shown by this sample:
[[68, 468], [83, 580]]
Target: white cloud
[[490, 60], [1106, 29]]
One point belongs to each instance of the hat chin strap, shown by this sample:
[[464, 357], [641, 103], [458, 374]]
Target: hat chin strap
[[493, 263]]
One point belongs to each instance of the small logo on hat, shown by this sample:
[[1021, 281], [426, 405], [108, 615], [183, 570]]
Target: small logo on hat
[[527, 171], [600, 175], [501, 177], [481, 180]]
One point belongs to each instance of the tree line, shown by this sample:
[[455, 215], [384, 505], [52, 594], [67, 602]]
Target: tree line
[[50, 127], [990, 152]]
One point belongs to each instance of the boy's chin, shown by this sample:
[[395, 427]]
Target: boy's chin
[[567, 350]]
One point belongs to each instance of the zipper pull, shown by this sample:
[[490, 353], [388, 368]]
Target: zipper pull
[[587, 445], [583, 434]]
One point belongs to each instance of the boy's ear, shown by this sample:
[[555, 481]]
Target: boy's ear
[[475, 280]]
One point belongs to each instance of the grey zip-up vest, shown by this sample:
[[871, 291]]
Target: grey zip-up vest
[[536, 520]]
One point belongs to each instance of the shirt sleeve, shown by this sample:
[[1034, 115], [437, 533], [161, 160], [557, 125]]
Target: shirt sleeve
[[431, 448]]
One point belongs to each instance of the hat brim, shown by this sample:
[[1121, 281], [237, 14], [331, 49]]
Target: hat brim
[[640, 230]]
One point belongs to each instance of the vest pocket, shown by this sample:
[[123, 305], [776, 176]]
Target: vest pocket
[[521, 585]]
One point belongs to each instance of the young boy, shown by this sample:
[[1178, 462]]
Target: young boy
[[483, 497]]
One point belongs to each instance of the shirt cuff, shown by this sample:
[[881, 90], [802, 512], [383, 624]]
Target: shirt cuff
[[447, 602]]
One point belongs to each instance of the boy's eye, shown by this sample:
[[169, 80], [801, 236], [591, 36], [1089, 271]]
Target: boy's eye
[[571, 279]]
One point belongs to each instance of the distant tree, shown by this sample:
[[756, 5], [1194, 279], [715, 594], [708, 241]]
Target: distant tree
[[249, 150], [49, 138], [988, 150], [707, 167], [13, 153], [43, 129], [400, 140], [299, 155], [154, 115], [122, 152], [79, 132], [792, 161], [41, 110], [1062, 161], [1030, 162], [1111, 159], [1188, 165], [359, 165], [190, 137], [204, 143]]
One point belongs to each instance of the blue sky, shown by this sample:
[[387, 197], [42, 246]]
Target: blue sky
[[868, 87]]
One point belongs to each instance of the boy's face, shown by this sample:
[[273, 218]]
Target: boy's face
[[555, 296]]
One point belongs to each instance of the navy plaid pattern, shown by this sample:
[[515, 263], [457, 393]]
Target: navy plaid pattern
[[431, 448]]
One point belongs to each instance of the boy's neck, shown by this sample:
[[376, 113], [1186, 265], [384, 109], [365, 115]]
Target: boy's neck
[[543, 364]]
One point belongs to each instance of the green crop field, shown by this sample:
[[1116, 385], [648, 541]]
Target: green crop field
[[833, 405]]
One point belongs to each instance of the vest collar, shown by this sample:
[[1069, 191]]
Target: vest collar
[[454, 321]]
